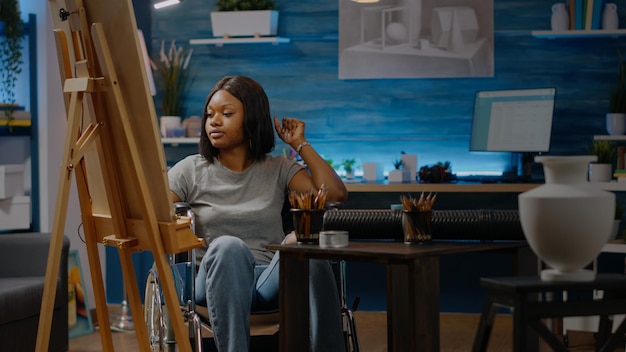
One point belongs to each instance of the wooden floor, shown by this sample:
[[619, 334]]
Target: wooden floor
[[457, 334]]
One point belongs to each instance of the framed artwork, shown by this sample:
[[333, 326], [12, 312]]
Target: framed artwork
[[79, 317], [416, 39]]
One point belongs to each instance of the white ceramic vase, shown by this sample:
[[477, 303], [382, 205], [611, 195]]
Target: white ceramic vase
[[610, 18], [567, 220], [560, 19], [616, 123]]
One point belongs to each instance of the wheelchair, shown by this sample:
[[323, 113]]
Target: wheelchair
[[262, 325]]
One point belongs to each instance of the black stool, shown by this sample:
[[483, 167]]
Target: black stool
[[523, 294]]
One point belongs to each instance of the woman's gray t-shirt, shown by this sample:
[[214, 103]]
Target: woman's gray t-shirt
[[244, 204]]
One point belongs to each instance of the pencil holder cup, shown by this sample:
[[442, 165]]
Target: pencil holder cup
[[416, 226], [308, 224]]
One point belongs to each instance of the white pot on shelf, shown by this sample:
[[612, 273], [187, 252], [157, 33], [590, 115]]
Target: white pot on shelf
[[567, 220], [600, 172], [244, 23]]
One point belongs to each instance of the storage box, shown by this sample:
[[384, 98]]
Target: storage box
[[15, 213], [11, 180]]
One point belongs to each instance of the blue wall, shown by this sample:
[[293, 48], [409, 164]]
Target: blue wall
[[374, 120]]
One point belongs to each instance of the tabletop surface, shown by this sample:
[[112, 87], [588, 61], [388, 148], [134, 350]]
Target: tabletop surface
[[396, 250], [523, 284]]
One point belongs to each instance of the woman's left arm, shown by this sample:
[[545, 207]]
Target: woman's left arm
[[292, 133]]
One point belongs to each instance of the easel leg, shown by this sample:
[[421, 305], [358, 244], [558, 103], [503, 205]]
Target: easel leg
[[94, 262], [128, 271]]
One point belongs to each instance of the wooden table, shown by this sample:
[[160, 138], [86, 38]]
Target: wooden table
[[521, 294], [412, 287]]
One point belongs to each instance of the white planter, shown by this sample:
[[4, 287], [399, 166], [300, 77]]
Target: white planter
[[599, 172], [244, 23], [169, 124], [566, 221], [395, 176]]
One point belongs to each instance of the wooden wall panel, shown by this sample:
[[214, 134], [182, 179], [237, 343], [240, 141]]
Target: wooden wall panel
[[374, 120]]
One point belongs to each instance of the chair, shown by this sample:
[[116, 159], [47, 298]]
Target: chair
[[264, 327], [23, 262]]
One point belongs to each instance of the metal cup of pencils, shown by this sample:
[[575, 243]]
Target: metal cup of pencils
[[307, 210], [416, 219], [308, 224]]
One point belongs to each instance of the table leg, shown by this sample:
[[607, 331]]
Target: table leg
[[294, 303], [413, 305]]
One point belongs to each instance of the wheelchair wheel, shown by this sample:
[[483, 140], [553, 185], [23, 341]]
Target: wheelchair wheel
[[156, 316]]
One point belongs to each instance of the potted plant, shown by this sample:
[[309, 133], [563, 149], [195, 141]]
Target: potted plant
[[173, 79], [396, 174], [600, 171], [616, 117], [10, 55], [349, 166], [244, 18]]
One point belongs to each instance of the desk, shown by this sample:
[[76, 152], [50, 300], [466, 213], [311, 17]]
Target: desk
[[412, 287]]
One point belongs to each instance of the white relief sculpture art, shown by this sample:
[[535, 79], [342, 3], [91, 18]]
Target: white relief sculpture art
[[416, 39]]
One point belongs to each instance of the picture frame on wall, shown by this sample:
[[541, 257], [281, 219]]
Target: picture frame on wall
[[79, 317]]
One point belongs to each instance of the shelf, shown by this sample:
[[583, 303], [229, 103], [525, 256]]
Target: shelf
[[252, 40], [579, 33], [182, 140], [609, 138]]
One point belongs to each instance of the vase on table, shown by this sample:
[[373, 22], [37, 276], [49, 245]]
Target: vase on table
[[567, 220]]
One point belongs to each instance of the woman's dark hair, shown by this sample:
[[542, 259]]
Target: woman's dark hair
[[257, 123]]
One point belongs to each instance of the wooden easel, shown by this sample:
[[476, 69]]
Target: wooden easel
[[113, 145]]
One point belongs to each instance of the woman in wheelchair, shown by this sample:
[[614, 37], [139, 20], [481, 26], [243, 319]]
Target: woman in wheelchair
[[237, 190]]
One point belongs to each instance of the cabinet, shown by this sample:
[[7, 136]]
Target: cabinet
[[579, 33], [31, 132]]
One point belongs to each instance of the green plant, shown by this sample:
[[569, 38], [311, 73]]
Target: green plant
[[173, 71], [245, 5], [604, 150], [618, 95], [398, 164], [10, 53], [446, 165], [348, 165]]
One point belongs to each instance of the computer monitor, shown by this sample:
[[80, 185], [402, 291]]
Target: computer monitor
[[513, 120]]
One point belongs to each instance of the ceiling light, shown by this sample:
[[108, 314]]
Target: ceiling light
[[366, 1], [166, 3]]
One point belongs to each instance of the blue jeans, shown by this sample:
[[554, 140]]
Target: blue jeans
[[232, 285]]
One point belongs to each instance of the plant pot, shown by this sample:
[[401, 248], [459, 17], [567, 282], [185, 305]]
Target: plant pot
[[244, 23], [169, 124], [566, 221], [616, 123], [395, 176], [600, 172]]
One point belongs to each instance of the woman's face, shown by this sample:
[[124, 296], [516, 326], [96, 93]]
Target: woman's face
[[224, 124]]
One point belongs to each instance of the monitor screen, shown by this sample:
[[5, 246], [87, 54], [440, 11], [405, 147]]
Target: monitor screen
[[514, 120]]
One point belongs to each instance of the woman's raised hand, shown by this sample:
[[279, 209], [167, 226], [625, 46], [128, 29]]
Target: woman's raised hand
[[291, 131]]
